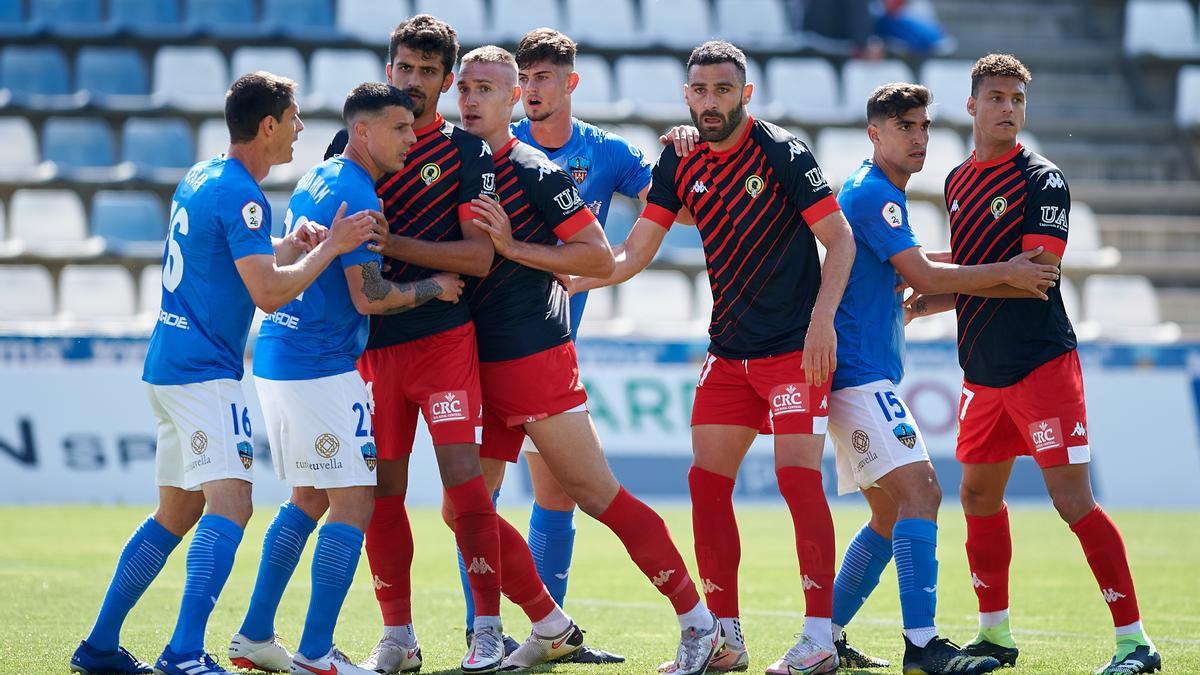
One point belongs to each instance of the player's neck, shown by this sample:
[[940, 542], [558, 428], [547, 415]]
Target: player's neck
[[498, 138], [554, 131], [895, 174], [252, 157], [733, 138], [428, 117], [987, 149], [361, 158]]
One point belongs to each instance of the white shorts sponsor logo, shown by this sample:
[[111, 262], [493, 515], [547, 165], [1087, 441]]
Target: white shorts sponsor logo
[[327, 445]]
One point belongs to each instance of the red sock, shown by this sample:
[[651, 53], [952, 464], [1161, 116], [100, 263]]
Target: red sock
[[1105, 551], [815, 547], [475, 532], [989, 554], [649, 544], [520, 582], [718, 549], [390, 554]]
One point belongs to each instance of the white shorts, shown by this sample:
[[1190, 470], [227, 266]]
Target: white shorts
[[320, 430], [203, 433], [873, 432]]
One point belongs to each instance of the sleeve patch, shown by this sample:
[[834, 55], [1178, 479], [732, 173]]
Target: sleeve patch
[[893, 215], [252, 214], [1053, 217]]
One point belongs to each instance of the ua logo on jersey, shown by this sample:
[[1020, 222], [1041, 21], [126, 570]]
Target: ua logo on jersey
[[815, 177], [568, 199], [1053, 216], [1054, 180]]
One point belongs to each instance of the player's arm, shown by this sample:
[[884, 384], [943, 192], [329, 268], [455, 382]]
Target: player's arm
[[272, 285], [917, 305], [820, 343], [372, 294], [583, 252], [470, 255], [631, 256], [931, 278]]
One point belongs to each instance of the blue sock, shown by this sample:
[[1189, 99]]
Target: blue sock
[[141, 560], [552, 540], [209, 559], [914, 542], [866, 557], [334, 562], [466, 583], [281, 550]]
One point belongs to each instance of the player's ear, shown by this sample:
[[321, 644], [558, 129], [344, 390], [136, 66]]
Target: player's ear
[[572, 82], [448, 82], [971, 106], [516, 95], [873, 133], [266, 126], [747, 93]]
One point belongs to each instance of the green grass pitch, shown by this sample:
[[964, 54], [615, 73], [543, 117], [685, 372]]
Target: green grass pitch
[[55, 563]]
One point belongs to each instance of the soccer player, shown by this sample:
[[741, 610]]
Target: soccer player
[[879, 447], [760, 201], [1022, 384], [219, 263], [529, 374], [426, 363]]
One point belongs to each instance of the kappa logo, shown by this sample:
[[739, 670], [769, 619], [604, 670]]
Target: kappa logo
[[199, 442], [486, 150], [789, 398], [1046, 434], [448, 406], [796, 148], [545, 169], [246, 453], [824, 403], [977, 582], [252, 214], [699, 188], [1054, 180], [1079, 430], [893, 215], [708, 586], [808, 584], [430, 173], [380, 583], [480, 566], [568, 199], [1111, 595], [954, 207], [815, 177], [662, 577]]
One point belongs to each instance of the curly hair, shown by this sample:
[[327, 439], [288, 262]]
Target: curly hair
[[998, 65], [428, 35]]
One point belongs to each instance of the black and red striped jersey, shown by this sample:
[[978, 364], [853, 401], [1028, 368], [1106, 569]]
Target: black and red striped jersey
[[446, 168], [753, 204], [520, 310], [998, 209]]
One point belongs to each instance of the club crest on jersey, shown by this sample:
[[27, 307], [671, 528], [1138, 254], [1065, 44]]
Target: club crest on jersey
[[252, 214], [998, 207], [892, 214], [1046, 434], [579, 169], [327, 445], [754, 185], [906, 434], [430, 173], [199, 442], [369, 455], [246, 452]]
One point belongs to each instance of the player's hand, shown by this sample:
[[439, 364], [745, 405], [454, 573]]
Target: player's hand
[[451, 285], [683, 137], [349, 232], [914, 306], [569, 282], [309, 235], [1027, 275], [491, 218], [820, 351], [380, 229]]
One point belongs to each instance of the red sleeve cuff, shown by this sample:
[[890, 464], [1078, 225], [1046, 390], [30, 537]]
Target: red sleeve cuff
[[465, 213], [816, 212], [665, 218], [571, 226], [1052, 244]]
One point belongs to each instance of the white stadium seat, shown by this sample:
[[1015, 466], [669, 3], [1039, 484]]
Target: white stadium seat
[[469, 18], [308, 151], [1126, 308], [283, 61], [19, 154], [368, 20], [51, 224], [191, 78], [213, 138], [681, 24], [944, 152], [642, 137], [762, 93], [806, 88], [333, 73], [149, 293], [606, 24], [1187, 97], [659, 303], [754, 22], [840, 152], [512, 19], [96, 295], [950, 82], [654, 85], [600, 316], [861, 78], [596, 95], [1160, 27], [702, 288], [27, 302], [1085, 331], [930, 224], [1085, 250]]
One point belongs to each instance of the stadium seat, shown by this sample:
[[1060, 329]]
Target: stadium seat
[[51, 224], [97, 297], [1161, 27], [8, 248], [152, 18], [213, 139], [27, 303], [1187, 97], [191, 78], [1085, 250], [806, 89], [469, 18], [840, 152], [284, 61], [643, 137], [600, 319], [72, 18], [762, 93], [113, 77], [861, 78], [309, 150], [944, 152], [595, 96], [603, 24], [37, 77], [371, 21], [300, 19], [83, 148], [160, 149], [1085, 331], [679, 24], [682, 246], [132, 223], [654, 85], [930, 224], [222, 18], [702, 289], [950, 82], [659, 303], [622, 213], [762, 23], [12, 19], [149, 293], [1126, 308], [19, 154], [512, 19], [335, 72]]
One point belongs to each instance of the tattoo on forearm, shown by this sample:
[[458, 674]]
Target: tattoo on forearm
[[920, 306], [374, 286], [423, 290]]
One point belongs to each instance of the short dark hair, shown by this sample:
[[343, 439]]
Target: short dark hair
[[545, 44], [373, 97], [895, 99], [253, 97], [714, 52], [426, 34], [998, 65]]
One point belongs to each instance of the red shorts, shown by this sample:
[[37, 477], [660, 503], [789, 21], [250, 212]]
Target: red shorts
[[528, 389], [1042, 415], [437, 375], [770, 394]]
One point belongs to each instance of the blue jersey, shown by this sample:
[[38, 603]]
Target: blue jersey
[[600, 164], [870, 320], [218, 215], [320, 333]]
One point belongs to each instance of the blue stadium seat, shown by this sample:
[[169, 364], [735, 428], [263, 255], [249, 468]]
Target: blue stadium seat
[[37, 77], [12, 19], [68, 17], [113, 77], [161, 149], [82, 147], [133, 223], [223, 18], [156, 18], [302, 19]]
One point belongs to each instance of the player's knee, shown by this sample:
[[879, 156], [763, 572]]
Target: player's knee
[[1072, 505], [313, 503], [447, 513], [979, 500]]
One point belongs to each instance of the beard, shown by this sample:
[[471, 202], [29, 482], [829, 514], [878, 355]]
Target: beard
[[418, 98], [728, 124]]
